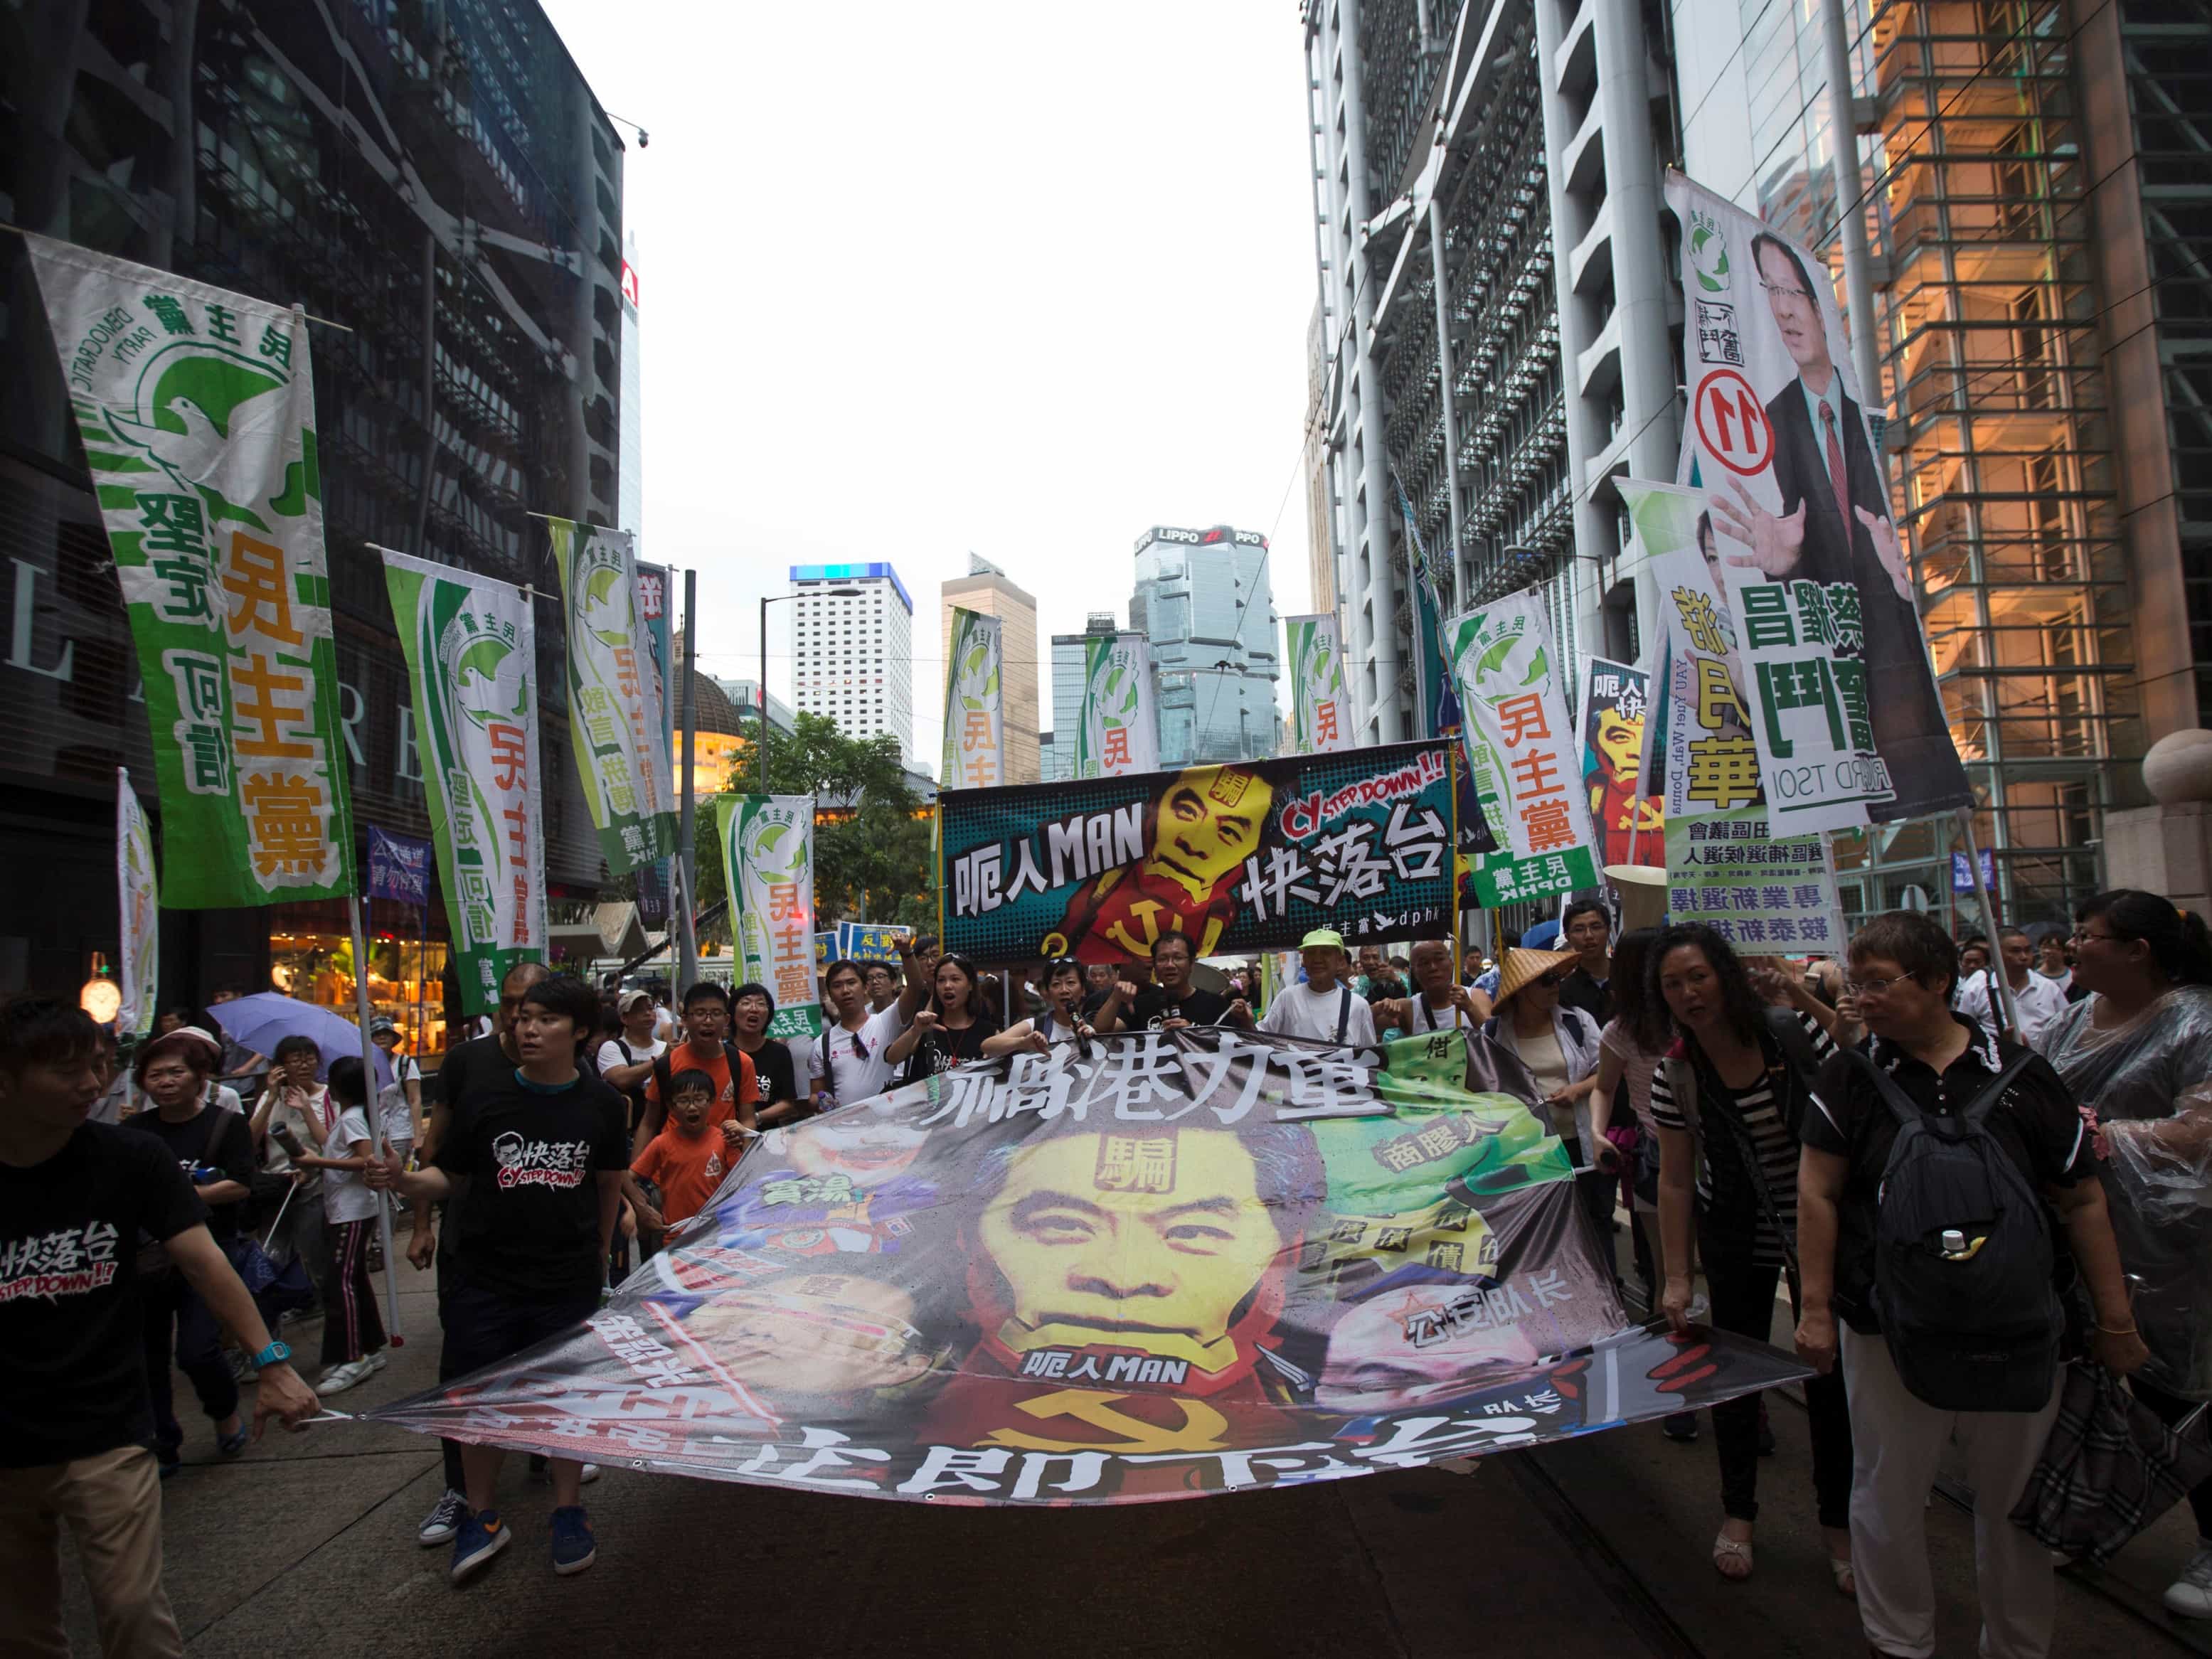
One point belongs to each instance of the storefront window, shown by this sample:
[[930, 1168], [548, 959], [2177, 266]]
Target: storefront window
[[311, 957]]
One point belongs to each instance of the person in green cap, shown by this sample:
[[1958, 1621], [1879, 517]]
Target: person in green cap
[[1323, 1008]]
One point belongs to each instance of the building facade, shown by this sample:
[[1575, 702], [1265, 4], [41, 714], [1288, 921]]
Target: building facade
[[630, 481], [1203, 599], [852, 650], [440, 183], [987, 591]]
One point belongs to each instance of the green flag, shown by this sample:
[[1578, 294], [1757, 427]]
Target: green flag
[[471, 656], [768, 870], [974, 712], [140, 893], [197, 410]]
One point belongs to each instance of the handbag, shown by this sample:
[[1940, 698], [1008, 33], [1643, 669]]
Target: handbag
[[2110, 1467]]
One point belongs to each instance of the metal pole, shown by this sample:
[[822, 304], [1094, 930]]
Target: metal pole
[[687, 938], [1844, 151], [761, 736], [1998, 977], [1451, 857], [373, 1110]]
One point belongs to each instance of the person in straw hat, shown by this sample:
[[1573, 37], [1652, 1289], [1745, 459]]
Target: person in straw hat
[[1560, 1046]]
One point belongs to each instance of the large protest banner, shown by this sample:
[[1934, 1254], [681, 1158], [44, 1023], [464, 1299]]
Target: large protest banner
[[615, 723], [1624, 804], [942, 1293], [1119, 730], [1710, 761], [1766, 894], [471, 648], [1520, 751], [139, 894], [197, 410], [1233, 857], [1817, 574], [1320, 707], [974, 703], [768, 870]]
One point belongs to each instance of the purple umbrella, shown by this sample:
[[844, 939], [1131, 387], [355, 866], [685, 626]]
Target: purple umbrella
[[266, 1018]]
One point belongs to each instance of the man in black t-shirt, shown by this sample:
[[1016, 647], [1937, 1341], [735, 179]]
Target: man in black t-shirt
[[1587, 930], [1903, 968], [752, 1007], [1176, 1001], [77, 1426], [531, 1164]]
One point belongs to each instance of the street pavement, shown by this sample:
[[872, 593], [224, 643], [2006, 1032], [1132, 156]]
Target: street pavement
[[1599, 1547]]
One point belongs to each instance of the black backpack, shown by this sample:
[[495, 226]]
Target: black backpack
[[1963, 1259]]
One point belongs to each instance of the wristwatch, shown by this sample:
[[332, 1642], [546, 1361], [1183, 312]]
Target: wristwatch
[[275, 1354]]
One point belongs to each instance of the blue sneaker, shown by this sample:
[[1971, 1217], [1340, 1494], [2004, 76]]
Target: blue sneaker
[[481, 1536], [573, 1547]]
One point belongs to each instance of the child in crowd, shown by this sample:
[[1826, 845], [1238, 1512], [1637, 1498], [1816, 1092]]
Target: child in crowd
[[353, 1332], [686, 1160]]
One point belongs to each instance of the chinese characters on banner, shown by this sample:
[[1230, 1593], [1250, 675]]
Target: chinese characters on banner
[[615, 723], [138, 963], [1119, 730], [1624, 804], [1395, 1272], [1766, 896], [1320, 706], [398, 867], [767, 867], [1519, 752], [197, 410], [871, 941], [1845, 709], [1233, 857], [975, 706], [1712, 762], [471, 652]]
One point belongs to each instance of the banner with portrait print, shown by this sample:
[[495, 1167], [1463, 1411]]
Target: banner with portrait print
[[974, 703], [1362, 1260], [1521, 752], [196, 408], [1625, 803], [1818, 573], [471, 649], [1234, 857]]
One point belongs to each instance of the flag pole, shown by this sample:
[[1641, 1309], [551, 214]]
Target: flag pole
[[1997, 975], [1451, 856], [687, 937], [372, 1107]]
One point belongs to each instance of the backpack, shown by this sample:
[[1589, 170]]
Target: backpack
[[1964, 1258]]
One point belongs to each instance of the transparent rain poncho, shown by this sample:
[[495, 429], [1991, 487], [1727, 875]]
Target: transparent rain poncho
[[2150, 1084]]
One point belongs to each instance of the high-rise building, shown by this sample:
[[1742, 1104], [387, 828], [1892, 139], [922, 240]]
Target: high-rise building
[[1070, 669], [1052, 765], [1314, 467], [852, 649], [630, 513], [987, 591], [1203, 601], [464, 232]]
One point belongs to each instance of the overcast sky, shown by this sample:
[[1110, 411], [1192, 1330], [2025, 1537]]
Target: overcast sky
[[995, 275]]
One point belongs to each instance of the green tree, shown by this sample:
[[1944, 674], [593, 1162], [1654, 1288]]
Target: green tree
[[871, 853]]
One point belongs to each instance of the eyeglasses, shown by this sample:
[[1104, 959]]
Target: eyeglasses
[[2078, 937], [1552, 981], [1874, 987]]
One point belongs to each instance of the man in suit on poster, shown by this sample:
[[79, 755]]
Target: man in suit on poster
[[1834, 526]]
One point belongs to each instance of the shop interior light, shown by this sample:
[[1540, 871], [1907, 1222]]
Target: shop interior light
[[100, 998]]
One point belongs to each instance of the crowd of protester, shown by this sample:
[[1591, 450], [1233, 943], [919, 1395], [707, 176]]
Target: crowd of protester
[[1757, 1126]]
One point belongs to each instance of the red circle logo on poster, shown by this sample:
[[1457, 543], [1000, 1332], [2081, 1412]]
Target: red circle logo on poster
[[1732, 424]]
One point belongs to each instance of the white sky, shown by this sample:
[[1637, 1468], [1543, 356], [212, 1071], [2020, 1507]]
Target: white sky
[[1023, 278]]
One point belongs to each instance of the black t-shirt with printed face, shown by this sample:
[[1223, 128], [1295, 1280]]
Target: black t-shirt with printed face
[[941, 1048], [213, 1135], [73, 1378], [528, 1222], [1200, 1007]]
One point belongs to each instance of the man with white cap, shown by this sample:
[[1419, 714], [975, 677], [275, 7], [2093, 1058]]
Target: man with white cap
[[626, 1061], [1323, 1008]]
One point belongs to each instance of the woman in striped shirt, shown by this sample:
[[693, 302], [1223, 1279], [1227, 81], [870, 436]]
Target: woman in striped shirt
[[1733, 1087]]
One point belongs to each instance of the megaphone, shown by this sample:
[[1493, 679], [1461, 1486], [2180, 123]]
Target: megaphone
[[1643, 891]]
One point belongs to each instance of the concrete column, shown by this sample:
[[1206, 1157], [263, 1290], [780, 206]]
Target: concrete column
[[1648, 371]]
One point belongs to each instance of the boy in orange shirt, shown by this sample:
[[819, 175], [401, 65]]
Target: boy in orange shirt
[[686, 1160]]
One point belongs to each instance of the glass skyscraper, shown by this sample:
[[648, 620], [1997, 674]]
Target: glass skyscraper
[[1202, 599]]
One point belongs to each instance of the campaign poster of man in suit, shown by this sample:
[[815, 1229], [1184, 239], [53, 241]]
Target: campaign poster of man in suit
[[1821, 512]]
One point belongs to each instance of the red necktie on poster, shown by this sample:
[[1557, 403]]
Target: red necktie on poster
[[1837, 476]]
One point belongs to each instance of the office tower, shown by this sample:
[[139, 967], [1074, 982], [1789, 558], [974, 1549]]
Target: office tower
[[1203, 601], [474, 376], [852, 651], [986, 590]]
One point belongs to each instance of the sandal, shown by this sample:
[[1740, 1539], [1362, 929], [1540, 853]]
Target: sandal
[[1847, 1583], [1731, 1554]]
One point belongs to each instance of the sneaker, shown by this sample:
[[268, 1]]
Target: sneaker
[[443, 1521], [339, 1378], [481, 1536], [574, 1548], [1681, 1427], [590, 1472], [2191, 1594], [376, 1361]]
